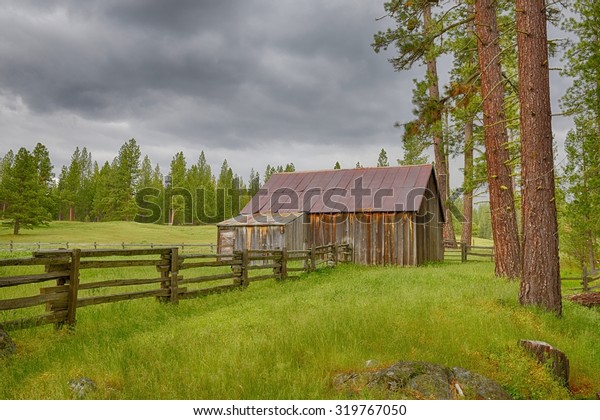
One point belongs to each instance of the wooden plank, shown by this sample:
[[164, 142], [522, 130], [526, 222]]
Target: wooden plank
[[118, 283], [96, 300], [189, 256], [32, 278], [190, 294], [481, 255], [283, 265], [203, 279], [54, 289], [303, 258], [64, 253], [34, 321], [13, 262], [84, 265], [174, 276], [73, 288], [263, 267], [244, 269], [294, 269], [85, 253], [29, 301], [187, 266], [259, 278]]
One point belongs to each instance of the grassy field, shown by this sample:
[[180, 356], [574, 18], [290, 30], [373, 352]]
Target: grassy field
[[113, 232], [287, 340]]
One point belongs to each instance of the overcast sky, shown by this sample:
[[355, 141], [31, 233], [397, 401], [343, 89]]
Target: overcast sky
[[255, 82]]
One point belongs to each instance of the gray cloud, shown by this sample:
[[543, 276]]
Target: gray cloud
[[254, 82]]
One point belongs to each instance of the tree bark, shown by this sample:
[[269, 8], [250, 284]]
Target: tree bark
[[441, 161], [540, 284], [16, 227], [502, 206], [467, 224]]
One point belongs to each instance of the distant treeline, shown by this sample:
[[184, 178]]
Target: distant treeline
[[85, 190]]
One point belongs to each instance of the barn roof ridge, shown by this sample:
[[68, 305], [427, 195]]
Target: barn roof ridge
[[309, 171]]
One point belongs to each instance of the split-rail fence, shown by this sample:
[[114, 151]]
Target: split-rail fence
[[179, 276]]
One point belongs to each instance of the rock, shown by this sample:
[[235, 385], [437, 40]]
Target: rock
[[428, 379], [423, 380], [7, 346], [475, 386], [82, 387], [549, 356]]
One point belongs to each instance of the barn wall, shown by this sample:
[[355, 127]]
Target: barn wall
[[291, 235], [430, 228], [376, 238]]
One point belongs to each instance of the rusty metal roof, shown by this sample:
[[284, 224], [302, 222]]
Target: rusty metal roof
[[278, 219], [387, 189]]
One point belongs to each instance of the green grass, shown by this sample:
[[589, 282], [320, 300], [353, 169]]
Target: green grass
[[113, 232], [288, 340]]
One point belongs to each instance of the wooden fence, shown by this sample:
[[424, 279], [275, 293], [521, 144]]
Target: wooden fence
[[587, 278], [12, 246], [463, 251], [178, 273]]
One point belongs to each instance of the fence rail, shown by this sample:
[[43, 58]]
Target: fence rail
[[177, 271], [463, 251], [587, 278]]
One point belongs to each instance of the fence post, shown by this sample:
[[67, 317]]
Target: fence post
[[585, 280], [283, 269], [313, 258], [164, 267], [335, 254], [11, 246], [463, 252], [245, 262], [174, 268], [73, 289], [61, 306]]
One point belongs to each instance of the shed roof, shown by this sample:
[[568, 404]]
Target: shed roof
[[278, 219], [386, 189]]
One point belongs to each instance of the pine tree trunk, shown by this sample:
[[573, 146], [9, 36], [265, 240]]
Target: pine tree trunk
[[16, 227], [71, 213], [467, 224], [502, 206], [540, 284], [441, 163]]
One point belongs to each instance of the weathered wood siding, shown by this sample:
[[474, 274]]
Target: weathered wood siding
[[291, 235], [376, 238], [430, 227]]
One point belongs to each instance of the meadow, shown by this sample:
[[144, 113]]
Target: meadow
[[287, 340]]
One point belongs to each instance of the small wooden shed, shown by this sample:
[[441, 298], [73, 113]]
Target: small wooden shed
[[390, 215], [262, 231]]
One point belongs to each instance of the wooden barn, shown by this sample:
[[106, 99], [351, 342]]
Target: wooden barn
[[390, 215]]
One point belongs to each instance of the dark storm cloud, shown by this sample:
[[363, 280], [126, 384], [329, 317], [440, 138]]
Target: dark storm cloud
[[227, 73]]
